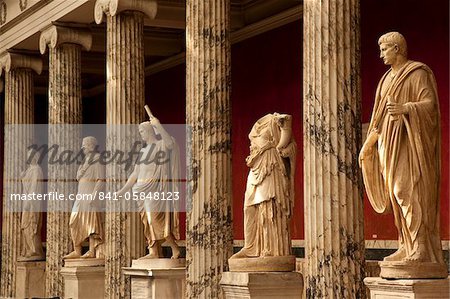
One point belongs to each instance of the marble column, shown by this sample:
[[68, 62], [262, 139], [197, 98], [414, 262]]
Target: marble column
[[65, 45], [209, 239], [19, 110], [332, 136], [125, 100]]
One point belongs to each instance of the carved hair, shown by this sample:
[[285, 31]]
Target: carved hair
[[91, 140], [395, 38], [147, 126]]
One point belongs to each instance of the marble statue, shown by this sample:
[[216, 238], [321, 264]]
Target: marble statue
[[32, 182], [269, 196], [160, 223], [400, 161], [86, 220]]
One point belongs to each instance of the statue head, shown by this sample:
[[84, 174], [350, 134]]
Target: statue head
[[147, 131], [392, 45], [89, 143]]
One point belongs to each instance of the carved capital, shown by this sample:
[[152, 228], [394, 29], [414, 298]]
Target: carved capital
[[10, 61], [56, 35], [114, 7]]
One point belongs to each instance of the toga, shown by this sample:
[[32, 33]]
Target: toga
[[86, 219], [31, 223], [401, 172], [159, 217]]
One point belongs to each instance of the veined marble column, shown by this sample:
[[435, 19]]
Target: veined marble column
[[65, 45], [209, 239], [19, 110], [332, 136], [125, 102]]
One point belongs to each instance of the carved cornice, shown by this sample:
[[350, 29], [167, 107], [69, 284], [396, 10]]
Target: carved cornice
[[114, 7], [10, 61], [56, 35]]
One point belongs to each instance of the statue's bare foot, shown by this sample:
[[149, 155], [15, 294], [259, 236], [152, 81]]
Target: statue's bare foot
[[153, 253], [73, 255], [399, 255], [416, 257], [266, 253], [175, 252], [149, 256], [239, 255], [88, 255]]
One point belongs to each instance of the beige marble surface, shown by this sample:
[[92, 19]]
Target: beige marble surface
[[151, 282], [65, 45], [262, 285], [209, 241], [334, 221], [30, 282], [19, 109], [408, 288], [84, 282], [125, 105], [406, 120]]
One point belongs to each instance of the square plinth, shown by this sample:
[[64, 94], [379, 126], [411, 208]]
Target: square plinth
[[157, 283], [408, 288], [30, 281], [84, 282], [262, 285]]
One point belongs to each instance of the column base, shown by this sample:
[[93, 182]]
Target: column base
[[157, 278], [30, 281], [84, 278], [262, 285], [381, 288]]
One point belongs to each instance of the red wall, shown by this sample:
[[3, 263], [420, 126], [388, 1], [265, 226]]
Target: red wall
[[425, 26], [266, 78]]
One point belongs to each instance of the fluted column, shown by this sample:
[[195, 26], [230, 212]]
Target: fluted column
[[209, 240], [125, 102], [65, 45], [332, 136], [19, 111]]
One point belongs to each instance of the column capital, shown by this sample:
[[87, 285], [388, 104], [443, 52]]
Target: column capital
[[114, 7], [56, 35], [9, 61]]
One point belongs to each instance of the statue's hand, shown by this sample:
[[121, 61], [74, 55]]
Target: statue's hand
[[368, 145], [154, 121], [395, 109]]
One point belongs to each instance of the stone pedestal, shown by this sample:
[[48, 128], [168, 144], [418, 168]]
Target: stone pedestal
[[30, 280], [262, 285], [412, 270], [263, 264], [84, 278], [157, 278], [408, 288]]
